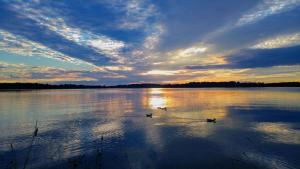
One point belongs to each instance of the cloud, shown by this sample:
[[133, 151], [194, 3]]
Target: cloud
[[264, 74], [241, 37], [188, 52], [18, 45], [162, 72], [44, 74], [279, 41], [40, 74], [136, 12], [119, 68], [47, 17], [266, 9], [153, 37], [123, 41], [94, 34], [265, 20], [188, 22], [256, 58], [30, 30]]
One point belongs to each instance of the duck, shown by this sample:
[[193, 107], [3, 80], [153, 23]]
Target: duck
[[149, 115], [214, 120], [162, 108]]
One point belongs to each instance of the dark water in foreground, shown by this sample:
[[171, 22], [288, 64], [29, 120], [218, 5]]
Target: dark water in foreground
[[256, 128]]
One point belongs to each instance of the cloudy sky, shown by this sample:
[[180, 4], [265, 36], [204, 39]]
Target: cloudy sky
[[160, 41]]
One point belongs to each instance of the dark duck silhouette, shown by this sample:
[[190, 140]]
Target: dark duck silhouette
[[149, 115], [162, 108], [211, 120]]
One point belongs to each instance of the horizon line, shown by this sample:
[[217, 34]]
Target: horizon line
[[225, 84]]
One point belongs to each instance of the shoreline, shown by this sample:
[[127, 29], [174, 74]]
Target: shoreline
[[231, 84], [5, 90]]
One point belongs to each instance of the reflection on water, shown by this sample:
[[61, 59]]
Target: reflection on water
[[256, 128], [280, 132], [156, 101], [155, 98]]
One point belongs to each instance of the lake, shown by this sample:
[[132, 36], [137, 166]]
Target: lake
[[108, 128]]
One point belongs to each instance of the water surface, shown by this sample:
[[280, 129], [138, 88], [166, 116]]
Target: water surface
[[256, 128]]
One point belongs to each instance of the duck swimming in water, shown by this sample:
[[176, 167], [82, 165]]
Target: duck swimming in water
[[149, 115], [162, 108], [211, 120]]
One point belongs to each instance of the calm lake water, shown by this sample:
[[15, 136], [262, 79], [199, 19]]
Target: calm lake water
[[256, 128]]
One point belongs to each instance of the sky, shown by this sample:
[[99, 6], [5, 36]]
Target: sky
[[109, 42]]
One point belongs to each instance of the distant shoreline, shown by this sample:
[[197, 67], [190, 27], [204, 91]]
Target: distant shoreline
[[39, 86]]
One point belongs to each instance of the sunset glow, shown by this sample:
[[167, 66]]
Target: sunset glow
[[113, 42]]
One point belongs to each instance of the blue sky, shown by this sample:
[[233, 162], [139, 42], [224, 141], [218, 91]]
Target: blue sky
[[160, 41]]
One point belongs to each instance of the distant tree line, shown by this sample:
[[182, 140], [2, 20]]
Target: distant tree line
[[20, 86], [44, 86], [231, 84]]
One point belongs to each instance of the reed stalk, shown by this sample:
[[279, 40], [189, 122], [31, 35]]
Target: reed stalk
[[34, 135]]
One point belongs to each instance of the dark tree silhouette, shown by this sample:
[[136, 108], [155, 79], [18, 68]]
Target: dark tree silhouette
[[232, 84]]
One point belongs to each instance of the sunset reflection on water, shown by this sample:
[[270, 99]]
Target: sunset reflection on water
[[72, 123]]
